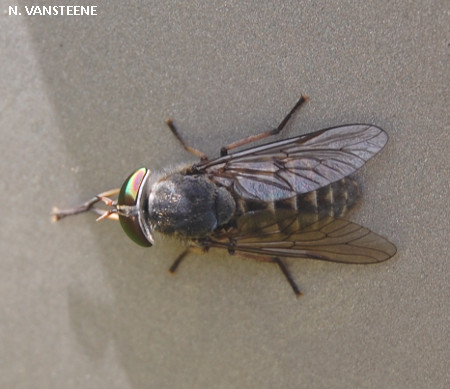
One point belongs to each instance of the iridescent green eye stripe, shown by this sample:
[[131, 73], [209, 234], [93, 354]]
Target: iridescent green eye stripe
[[129, 191], [135, 182], [128, 200]]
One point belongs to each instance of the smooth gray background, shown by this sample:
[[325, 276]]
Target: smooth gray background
[[83, 103]]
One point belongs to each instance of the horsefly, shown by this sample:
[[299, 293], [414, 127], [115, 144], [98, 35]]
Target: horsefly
[[268, 202]]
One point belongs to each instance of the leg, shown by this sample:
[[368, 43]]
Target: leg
[[280, 264], [88, 206], [275, 131], [192, 150], [288, 276], [195, 249], [178, 260]]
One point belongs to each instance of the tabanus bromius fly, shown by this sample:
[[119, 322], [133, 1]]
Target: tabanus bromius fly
[[280, 199]]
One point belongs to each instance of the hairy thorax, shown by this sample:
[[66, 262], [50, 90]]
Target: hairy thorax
[[190, 206]]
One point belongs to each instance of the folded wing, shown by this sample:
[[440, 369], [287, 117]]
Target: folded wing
[[335, 240], [289, 167]]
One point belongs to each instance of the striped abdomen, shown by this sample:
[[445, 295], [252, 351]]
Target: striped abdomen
[[332, 200]]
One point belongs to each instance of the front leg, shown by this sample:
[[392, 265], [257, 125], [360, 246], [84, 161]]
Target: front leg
[[192, 150], [179, 259], [184, 254]]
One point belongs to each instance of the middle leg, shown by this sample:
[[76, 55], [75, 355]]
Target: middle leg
[[275, 131]]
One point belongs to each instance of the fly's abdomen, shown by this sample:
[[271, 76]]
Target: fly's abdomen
[[330, 201]]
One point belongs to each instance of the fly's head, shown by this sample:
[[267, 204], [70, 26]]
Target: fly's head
[[131, 209]]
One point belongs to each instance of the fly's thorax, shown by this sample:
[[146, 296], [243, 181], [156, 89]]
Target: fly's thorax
[[190, 206]]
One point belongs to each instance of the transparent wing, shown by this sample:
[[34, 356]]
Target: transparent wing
[[285, 168], [329, 239]]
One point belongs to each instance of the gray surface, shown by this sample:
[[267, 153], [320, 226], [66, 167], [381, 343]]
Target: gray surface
[[83, 103]]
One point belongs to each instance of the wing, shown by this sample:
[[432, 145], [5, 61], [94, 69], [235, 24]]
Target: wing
[[335, 240], [289, 167]]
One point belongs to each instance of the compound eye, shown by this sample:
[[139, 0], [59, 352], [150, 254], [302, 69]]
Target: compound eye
[[128, 197], [130, 189]]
